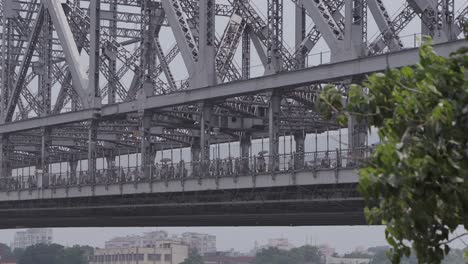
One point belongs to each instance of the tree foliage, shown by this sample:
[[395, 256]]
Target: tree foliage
[[193, 258], [43, 254], [5, 251], [54, 254], [416, 181], [301, 255], [78, 254]]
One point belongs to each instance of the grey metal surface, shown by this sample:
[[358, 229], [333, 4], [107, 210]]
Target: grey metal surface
[[86, 84]]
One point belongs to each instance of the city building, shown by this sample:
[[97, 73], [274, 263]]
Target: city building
[[334, 260], [203, 243], [326, 250], [279, 243], [5, 259], [168, 252], [33, 236], [134, 241]]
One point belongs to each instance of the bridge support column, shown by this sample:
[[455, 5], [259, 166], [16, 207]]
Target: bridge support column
[[357, 138], [275, 36], [146, 146], [299, 138], [206, 60], [245, 145], [300, 32], [273, 130], [92, 145], [73, 163], [205, 138], [5, 168], [43, 164], [355, 29], [195, 153]]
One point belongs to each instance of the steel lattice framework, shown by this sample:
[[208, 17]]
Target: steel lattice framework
[[89, 79]]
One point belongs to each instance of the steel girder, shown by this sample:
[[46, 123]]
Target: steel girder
[[28, 58]]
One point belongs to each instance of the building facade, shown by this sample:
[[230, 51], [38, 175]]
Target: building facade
[[146, 240], [227, 258], [33, 236], [333, 260], [202, 243], [167, 252]]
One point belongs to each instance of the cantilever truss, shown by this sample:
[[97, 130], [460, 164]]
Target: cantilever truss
[[65, 63]]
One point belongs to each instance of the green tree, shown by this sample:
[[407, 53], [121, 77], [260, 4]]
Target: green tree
[[43, 254], [193, 258], [17, 253], [416, 180], [301, 255], [78, 254], [5, 251], [307, 254], [380, 257], [275, 256]]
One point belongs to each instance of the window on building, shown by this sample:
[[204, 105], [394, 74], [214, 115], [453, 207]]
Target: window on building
[[166, 245], [156, 257], [167, 257]]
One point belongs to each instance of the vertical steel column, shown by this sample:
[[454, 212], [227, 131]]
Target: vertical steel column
[[205, 131], [6, 61], [148, 58], [195, 156], [300, 32], [45, 54], [275, 35], [5, 151], [73, 163], [94, 53], [274, 129], [147, 158], [355, 28], [245, 145], [445, 18], [111, 95], [43, 163], [246, 53], [299, 138], [357, 136], [92, 146], [207, 51]]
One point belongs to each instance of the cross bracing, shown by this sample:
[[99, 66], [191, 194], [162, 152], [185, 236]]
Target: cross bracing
[[97, 79]]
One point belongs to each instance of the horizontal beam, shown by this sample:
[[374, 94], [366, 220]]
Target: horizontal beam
[[319, 177], [49, 121], [286, 80]]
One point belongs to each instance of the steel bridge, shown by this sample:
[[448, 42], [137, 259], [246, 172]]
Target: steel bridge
[[152, 112]]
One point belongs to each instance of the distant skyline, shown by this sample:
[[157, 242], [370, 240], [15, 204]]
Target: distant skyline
[[343, 238]]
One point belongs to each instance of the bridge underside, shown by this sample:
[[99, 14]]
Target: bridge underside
[[335, 204]]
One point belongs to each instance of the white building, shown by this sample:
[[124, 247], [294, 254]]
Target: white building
[[203, 243], [146, 240], [279, 243], [33, 236], [160, 252], [333, 260]]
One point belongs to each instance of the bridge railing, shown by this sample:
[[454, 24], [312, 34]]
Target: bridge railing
[[216, 168]]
